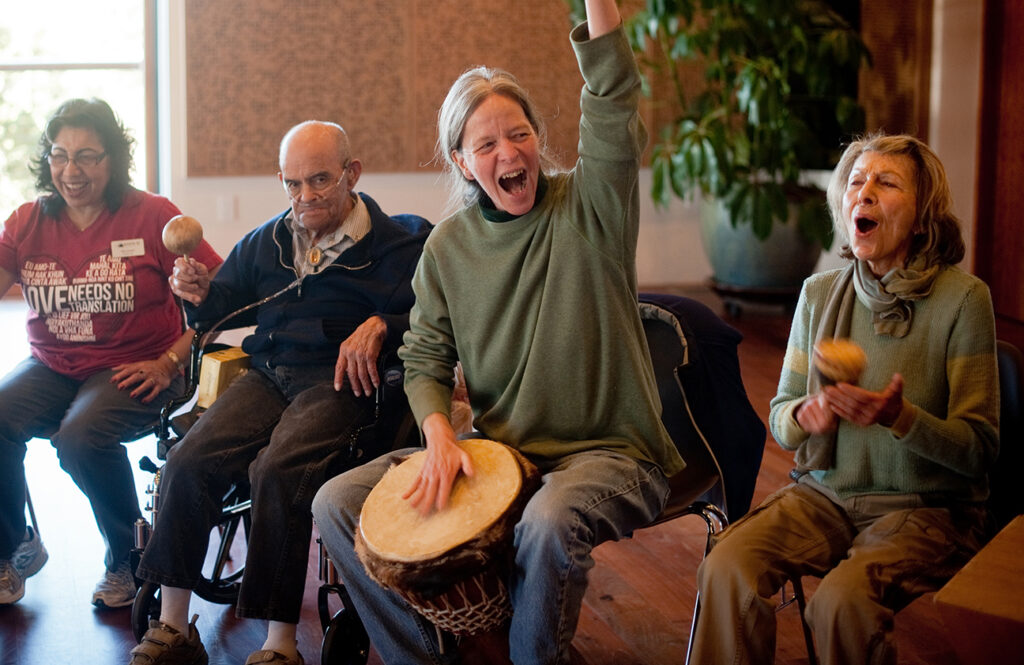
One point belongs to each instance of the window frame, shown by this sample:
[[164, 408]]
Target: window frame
[[148, 67]]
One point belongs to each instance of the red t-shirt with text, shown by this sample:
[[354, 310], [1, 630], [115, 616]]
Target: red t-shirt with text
[[97, 297]]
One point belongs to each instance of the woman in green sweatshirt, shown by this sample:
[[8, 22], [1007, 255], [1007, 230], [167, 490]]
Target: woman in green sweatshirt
[[532, 286]]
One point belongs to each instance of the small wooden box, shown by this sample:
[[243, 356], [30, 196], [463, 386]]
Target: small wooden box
[[218, 370]]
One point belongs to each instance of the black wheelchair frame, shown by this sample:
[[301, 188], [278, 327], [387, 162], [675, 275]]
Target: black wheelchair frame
[[220, 585]]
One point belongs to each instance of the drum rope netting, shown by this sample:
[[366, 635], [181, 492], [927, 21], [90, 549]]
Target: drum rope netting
[[486, 610]]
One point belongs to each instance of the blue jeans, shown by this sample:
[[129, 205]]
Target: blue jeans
[[86, 421], [584, 500], [284, 431]]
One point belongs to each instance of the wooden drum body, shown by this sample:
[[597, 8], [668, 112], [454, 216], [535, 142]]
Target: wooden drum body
[[450, 565]]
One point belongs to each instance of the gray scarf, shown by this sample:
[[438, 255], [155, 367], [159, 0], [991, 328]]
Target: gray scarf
[[891, 301]]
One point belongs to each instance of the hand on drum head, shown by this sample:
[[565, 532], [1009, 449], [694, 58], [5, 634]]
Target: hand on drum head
[[443, 463]]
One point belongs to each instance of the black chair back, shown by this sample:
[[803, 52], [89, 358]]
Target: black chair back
[[702, 472], [1006, 498], [705, 407]]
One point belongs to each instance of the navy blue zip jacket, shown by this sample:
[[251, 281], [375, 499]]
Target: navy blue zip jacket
[[305, 325]]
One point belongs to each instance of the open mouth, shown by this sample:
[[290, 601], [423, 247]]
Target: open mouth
[[75, 187], [514, 182], [865, 224]]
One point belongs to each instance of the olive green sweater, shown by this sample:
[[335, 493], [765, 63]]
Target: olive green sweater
[[947, 436], [542, 309]]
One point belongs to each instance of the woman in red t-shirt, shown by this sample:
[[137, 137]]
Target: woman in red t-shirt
[[105, 334]]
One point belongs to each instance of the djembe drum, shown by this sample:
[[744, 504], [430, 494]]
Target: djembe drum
[[450, 565]]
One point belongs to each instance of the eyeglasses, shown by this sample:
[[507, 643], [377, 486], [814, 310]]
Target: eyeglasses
[[318, 184], [82, 160]]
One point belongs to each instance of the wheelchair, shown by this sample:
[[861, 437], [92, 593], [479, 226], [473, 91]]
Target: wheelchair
[[220, 580], [707, 413]]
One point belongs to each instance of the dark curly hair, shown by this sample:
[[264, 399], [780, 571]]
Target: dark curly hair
[[94, 114]]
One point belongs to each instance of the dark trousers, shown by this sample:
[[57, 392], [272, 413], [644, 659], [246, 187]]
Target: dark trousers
[[86, 421], [285, 431]]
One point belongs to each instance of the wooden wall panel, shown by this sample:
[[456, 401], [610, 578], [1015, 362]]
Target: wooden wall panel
[[999, 256], [895, 90], [380, 69]]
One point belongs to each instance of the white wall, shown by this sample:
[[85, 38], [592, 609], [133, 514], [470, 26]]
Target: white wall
[[955, 104], [669, 251]]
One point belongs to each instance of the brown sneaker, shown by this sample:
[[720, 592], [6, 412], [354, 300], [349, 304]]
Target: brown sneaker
[[163, 645], [268, 656]]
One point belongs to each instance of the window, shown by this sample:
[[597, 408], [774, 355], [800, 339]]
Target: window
[[65, 49]]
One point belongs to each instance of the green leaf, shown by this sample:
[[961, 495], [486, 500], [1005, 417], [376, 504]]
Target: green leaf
[[710, 161], [761, 220], [778, 204], [659, 175], [814, 221], [739, 202]]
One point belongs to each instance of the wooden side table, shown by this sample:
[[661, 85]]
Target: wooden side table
[[982, 606]]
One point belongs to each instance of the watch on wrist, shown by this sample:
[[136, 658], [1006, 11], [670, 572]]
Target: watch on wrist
[[176, 360]]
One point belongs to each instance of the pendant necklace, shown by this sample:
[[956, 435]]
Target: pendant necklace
[[314, 256]]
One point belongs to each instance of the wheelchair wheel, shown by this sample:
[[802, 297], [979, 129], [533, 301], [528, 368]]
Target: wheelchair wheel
[[145, 607], [345, 640], [221, 590], [219, 586]]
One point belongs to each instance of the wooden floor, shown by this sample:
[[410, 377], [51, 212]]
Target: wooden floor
[[637, 610]]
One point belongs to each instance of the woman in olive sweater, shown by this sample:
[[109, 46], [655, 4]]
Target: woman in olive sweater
[[892, 471], [532, 286]]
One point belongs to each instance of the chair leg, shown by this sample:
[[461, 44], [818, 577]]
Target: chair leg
[[801, 603], [693, 628], [716, 521], [31, 510]]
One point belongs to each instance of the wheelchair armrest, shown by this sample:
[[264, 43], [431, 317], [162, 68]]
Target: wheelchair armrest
[[391, 390], [393, 420], [192, 371]]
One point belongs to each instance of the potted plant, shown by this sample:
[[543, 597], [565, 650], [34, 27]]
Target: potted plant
[[777, 100]]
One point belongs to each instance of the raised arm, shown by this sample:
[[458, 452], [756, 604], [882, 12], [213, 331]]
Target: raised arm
[[602, 17]]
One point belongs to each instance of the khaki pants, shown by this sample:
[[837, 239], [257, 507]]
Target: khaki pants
[[875, 554]]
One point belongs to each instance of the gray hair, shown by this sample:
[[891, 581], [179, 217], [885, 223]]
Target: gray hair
[[333, 129], [939, 240], [468, 92]]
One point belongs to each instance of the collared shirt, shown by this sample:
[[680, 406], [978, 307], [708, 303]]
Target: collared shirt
[[330, 247]]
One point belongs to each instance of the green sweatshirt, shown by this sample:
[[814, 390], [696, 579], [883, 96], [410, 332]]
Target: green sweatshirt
[[542, 309], [945, 440]]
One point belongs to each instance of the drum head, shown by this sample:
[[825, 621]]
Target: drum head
[[394, 531]]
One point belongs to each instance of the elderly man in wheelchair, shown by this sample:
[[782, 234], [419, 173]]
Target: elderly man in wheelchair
[[327, 285]]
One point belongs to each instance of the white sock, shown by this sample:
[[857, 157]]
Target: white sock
[[281, 637], [174, 603]]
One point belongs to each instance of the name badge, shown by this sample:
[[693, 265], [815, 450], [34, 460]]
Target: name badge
[[120, 249]]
